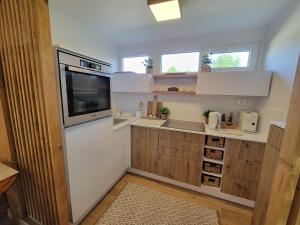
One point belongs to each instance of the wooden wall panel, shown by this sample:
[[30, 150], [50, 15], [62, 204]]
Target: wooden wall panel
[[288, 168], [267, 174], [29, 75]]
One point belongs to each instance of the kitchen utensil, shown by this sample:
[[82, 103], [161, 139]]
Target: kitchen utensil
[[248, 121], [214, 121]]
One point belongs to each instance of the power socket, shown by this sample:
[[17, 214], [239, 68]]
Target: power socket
[[245, 101]]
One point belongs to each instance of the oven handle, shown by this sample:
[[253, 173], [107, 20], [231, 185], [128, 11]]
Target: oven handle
[[81, 70]]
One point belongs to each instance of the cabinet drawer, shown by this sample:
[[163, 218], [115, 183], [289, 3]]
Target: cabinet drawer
[[275, 136], [211, 180], [213, 154], [245, 150], [238, 187], [180, 154], [212, 167], [242, 169], [214, 141], [179, 169], [181, 140]]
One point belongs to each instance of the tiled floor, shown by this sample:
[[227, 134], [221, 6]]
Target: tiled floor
[[229, 213]]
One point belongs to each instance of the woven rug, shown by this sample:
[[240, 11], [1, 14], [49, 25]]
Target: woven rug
[[137, 205]]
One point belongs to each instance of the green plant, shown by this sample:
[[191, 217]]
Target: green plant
[[148, 63], [164, 110], [206, 60], [206, 113]]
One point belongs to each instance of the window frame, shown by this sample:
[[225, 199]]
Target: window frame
[[253, 55], [128, 57], [177, 53]]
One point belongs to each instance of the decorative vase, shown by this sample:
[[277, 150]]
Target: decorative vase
[[206, 68], [149, 70], [164, 116]]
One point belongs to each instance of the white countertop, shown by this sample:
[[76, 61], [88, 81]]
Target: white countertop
[[280, 124], [256, 137], [6, 172]]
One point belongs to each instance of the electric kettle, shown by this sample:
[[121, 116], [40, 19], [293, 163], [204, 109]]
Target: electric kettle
[[214, 120]]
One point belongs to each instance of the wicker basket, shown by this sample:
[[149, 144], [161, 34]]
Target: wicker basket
[[212, 168], [211, 180], [213, 154], [213, 141]]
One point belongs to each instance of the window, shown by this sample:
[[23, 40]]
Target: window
[[231, 60], [183, 62], [134, 64]]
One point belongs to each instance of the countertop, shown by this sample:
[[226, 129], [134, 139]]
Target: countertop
[[280, 124], [256, 137], [6, 172]]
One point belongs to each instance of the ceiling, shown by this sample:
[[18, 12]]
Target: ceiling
[[130, 21]]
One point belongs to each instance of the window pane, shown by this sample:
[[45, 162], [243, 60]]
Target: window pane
[[135, 64], [230, 60], [184, 62]]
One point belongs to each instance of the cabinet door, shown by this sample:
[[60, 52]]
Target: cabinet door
[[245, 150], [179, 169], [144, 149], [239, 187], [180, 156], [181, 140], [242, 169]]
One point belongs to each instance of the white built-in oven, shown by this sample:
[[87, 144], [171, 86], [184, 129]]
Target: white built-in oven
[[84, 88]]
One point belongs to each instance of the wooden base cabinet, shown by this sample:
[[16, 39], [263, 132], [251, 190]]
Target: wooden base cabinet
[[144, 149], [180, 156], [242, 168]]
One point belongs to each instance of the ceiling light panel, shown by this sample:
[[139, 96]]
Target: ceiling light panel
[[165, 10]]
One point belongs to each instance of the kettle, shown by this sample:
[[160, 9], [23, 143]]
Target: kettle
[[214, 120]]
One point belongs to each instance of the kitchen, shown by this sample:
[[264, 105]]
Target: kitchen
[[153, 104]]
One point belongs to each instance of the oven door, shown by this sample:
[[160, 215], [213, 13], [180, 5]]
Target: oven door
[[85, 95]]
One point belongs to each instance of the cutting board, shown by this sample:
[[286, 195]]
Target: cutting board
[[154, 108]]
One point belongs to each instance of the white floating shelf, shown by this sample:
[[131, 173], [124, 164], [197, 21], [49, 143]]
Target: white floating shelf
[[212, 174], [178, 75], [213, 161], [176, 92], [216, 148]]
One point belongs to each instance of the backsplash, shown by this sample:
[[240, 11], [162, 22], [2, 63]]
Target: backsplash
[[185, 107]]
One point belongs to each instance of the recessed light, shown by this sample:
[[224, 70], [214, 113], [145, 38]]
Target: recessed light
[[165, 9]]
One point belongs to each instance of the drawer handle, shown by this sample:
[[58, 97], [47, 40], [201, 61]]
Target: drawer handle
[[211, 180], [215, 139]]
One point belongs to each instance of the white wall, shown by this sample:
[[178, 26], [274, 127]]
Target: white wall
[[249, 38], [192, 107], [282, 57], [72, 34], [184, 107]]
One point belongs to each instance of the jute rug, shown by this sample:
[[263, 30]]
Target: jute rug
[[137, 205]]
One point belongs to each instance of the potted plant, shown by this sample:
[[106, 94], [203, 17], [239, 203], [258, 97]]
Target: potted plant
[[164, 112], [149, 65], [206, 62], [206, 115]]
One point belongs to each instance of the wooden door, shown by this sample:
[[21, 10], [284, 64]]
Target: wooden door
[[180, 156], [242, 168], [269, 165], [288, 166], [144, 149], [32, 95]]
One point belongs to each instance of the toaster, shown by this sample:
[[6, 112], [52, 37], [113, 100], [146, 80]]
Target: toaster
[[248, 121]]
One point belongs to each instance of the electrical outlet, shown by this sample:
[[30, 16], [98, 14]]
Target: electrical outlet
[[244, 101]]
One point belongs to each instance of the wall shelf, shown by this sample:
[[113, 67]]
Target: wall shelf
[[178, 75], [216, 148], [213, 161], [212, 174], [176, 92]]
